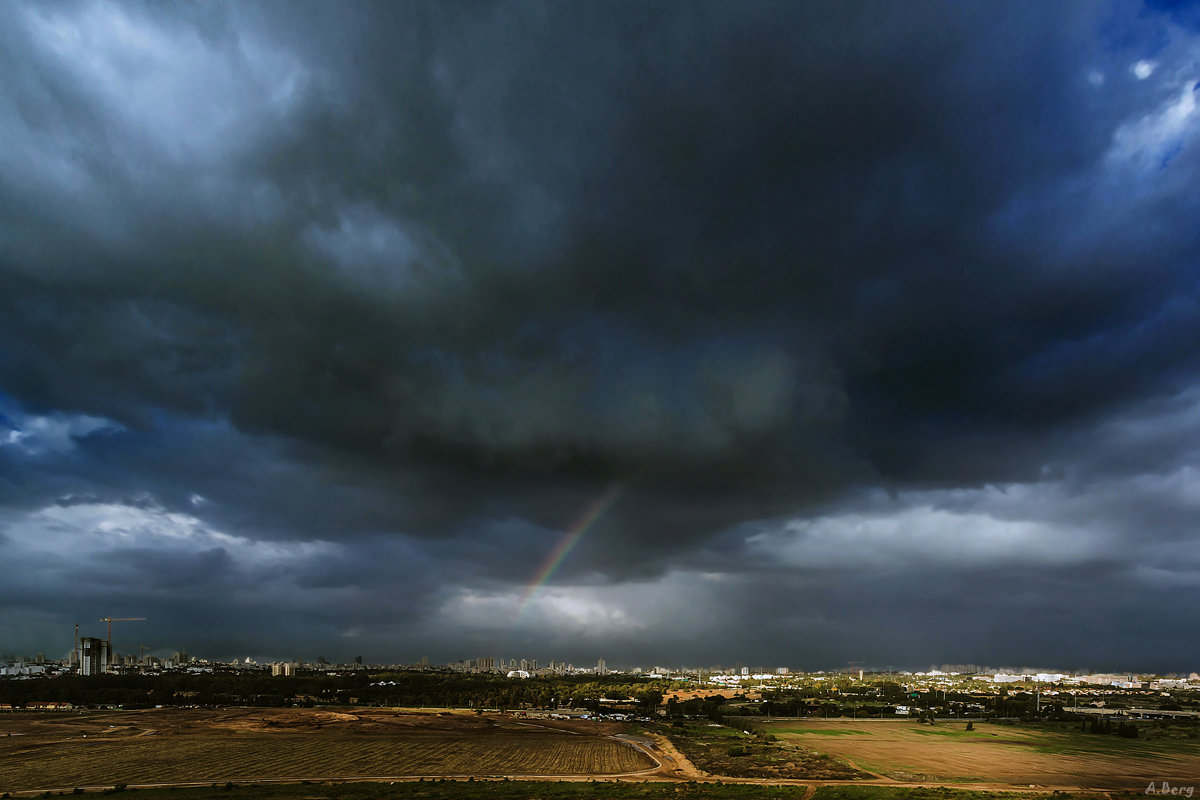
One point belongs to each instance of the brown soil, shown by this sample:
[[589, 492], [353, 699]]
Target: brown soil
[[208, 722], [675, 763], [1004, 757], [63, 749], [42, 750]]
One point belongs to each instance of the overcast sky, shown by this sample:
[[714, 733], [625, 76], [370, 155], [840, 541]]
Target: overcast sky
[[857, 331]]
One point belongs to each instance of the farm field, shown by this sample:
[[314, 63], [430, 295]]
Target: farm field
[[1001, 755], [492, 790], [726, 751], [581, 790], [56, 750]]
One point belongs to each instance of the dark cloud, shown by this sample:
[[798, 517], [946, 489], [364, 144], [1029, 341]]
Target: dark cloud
[[412, 285]]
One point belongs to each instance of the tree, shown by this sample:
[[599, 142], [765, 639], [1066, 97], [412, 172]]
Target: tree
[[650, 699]]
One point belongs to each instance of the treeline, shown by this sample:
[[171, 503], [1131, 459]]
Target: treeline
[[712, 708], [428, 689], [1103, 726]]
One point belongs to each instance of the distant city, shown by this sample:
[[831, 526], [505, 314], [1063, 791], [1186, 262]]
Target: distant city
[[94, 656], [853, 689]]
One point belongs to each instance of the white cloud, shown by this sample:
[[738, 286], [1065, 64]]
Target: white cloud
[[590, 611], [167, 110], [1150, 141], [189, 96], [921, 534], [51, 434], [91, 531], [563, 609], [1143, 69]]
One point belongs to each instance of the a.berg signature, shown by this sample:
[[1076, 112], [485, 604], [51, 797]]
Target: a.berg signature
[[1167, 788]]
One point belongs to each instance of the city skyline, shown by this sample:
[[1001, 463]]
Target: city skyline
[[110, 658], [180, 658], [794, 333]]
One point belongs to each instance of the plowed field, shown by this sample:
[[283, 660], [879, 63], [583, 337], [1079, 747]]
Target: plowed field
[[65, 751]]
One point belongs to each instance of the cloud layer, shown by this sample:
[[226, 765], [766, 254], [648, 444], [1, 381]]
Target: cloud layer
[[321, 326]]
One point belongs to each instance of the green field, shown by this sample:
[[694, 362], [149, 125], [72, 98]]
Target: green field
[[943, 793], [1053, 756], [728, 751]]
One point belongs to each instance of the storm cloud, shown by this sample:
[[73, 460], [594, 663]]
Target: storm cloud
[[321, 325]]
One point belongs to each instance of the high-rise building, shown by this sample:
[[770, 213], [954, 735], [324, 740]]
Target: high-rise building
[[94, 656], [601, 667]]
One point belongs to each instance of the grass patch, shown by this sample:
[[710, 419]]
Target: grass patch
[[725, 751], [936, 793], [818, 731], [1109, 746], [1067, 740]]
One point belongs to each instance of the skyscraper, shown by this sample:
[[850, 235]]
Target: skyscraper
[[95, 656]]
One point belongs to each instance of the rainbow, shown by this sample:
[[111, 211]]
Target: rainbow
[[571, 538]]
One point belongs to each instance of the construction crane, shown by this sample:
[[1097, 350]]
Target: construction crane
[[111, 620]]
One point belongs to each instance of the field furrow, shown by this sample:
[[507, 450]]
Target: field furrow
[[175, 759]]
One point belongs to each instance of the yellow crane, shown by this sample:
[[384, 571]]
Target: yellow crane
[[111, 620]]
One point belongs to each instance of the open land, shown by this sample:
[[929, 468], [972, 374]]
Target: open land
[[997, 755], [720, 750], [577, 790], [810, 759], [41, 750]]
